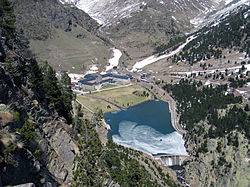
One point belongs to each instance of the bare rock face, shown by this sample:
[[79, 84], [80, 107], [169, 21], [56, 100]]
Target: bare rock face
[[61, 159], [57, 148], [223, 162], [50, 157]]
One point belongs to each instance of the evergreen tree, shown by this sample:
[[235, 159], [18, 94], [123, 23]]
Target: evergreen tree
[[67, 95], [246, 108], [58, 93], [35, 76], [7, 19]]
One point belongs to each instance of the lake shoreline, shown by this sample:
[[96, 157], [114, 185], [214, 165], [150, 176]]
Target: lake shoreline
[[162, 95], [152, 118]]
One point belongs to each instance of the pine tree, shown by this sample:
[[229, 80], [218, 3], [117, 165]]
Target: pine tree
[[58, 93], [51, 88], [35, 76], [7, 19], [67, 95]]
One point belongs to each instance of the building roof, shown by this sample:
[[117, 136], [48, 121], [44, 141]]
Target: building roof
[[89, 77]]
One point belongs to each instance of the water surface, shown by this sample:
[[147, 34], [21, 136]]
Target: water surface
[[146, 127]]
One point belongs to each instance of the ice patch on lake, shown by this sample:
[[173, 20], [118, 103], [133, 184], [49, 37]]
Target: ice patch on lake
[[115, 112], [147, 139]]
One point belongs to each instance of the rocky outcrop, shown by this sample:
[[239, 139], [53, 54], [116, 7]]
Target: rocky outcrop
[[26, 185], [217, 161], [47, 184], [61, 159], [57, 154]]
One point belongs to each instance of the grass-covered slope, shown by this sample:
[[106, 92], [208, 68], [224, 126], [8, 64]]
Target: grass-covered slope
[[64, 51], [63, 35]]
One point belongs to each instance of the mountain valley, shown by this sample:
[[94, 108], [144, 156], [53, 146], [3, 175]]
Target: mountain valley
[[84, 85], [137, 27]]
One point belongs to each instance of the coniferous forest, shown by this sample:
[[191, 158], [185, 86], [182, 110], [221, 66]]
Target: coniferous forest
[[232, 33], [199, 103]]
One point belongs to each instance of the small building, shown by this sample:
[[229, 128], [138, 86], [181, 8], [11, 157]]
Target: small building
[[91, 81]]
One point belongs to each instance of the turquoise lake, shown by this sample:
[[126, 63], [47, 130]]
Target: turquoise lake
[[146, 127]]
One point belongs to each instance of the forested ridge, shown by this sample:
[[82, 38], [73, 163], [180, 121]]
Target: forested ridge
[[233, 33], [23, 67], [218, 131], [199, 103], [172, 45]]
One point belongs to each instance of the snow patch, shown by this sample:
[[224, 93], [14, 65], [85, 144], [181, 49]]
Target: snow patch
[[107, 11], [207, 83], [241, 92], [225, 1], [152, 59], [92, 70], [174, 18], [115, 60]]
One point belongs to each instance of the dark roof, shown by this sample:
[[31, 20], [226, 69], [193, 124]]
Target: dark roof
[[90, 77], [119, 76]]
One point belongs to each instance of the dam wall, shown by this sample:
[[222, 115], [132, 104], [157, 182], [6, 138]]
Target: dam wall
[[172, 160]]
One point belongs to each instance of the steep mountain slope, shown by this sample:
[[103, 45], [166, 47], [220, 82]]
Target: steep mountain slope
[[141, 25], [212, 15], [106, 14], [231, 32], [217, 134], [216, 119], [30, 126], [61, 34]]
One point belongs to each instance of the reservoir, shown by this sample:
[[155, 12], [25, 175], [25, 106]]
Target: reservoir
[[146, 127]]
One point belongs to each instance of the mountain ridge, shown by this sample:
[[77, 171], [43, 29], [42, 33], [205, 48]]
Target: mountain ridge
[[137, 27]]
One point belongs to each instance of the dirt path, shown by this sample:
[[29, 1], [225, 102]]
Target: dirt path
[[85, 106], [110, 102]]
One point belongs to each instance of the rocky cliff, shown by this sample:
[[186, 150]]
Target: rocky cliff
[[217, 161], [36, 145]]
